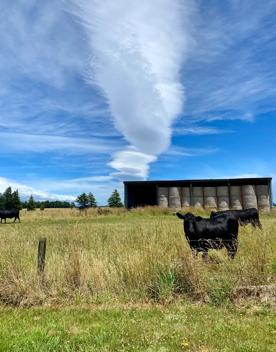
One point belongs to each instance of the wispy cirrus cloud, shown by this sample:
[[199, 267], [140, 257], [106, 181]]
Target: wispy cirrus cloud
[[231, 74], [36, 143], [198, 130]]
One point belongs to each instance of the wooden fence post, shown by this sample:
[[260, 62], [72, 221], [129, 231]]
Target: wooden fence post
[[41, 255]]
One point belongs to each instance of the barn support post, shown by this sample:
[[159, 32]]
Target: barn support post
[[270, 194], [41, 256], [191, 195], [229, 195], [217, 198]]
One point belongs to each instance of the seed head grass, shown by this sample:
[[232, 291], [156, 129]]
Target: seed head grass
[[137, 256]]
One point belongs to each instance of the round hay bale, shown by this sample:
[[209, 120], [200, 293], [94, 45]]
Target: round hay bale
[[174, 197], [263, 198], [197, 198], [210, 197], [249, 196], [185, 197], [223, 197], [222, 191], [163, 197], [236, 198]]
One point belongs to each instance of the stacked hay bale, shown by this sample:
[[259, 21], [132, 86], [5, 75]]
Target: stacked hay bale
[[185, 197], [174, 197], [249, 197], [163, 197], [197, 198], [223, 197], [263, 197], [236, 197], [210, 197]]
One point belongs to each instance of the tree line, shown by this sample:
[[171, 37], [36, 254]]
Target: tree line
[[85, 201], [10, 199]]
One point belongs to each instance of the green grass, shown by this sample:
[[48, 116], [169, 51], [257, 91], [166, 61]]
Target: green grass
[[127, 282], [139, 256], [180, 327]]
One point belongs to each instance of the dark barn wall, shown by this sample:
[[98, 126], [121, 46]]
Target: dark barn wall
[[210, 194]]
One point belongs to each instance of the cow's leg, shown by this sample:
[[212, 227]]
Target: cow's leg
[[232, 248], [253, 223], [258, 223]]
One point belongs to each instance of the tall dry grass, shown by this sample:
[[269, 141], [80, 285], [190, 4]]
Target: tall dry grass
[[127, 256]]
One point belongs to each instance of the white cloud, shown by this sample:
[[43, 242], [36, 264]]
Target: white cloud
[[131, 163], [100, 185], [25, 191], [138, 48]]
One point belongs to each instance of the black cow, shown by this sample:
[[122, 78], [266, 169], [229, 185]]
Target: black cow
[[4, 214], [246, 216], [204, 234]]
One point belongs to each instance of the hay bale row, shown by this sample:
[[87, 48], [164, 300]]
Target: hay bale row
[[221, 197]]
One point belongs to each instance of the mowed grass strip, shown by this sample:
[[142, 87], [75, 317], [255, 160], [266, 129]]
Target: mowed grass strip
[[198, 328]]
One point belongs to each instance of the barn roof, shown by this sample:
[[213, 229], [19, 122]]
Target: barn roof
[[232, 181]]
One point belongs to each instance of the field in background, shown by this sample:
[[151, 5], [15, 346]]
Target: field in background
[[137, 256]]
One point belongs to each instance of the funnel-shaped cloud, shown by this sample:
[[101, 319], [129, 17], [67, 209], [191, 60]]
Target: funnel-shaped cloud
[[137, 50]]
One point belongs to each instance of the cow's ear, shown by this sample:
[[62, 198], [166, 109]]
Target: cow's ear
[[180, 216]]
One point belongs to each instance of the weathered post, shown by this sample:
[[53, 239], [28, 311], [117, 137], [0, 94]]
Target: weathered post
[[41, 255]]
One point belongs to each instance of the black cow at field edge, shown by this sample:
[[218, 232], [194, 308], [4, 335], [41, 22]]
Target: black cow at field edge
[[204, 234], [4, 214], [246, 216]]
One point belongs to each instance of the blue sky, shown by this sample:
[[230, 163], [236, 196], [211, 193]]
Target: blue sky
[[96, 92]]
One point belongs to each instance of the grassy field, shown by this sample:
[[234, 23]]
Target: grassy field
[[127, 281], [137, 256]]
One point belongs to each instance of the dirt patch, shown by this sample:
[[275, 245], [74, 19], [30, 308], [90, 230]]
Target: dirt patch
[[263, 294]]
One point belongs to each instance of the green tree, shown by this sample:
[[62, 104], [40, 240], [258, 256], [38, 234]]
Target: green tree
[[16, 200], [2, 202], [83, 201], [114, 200], [8, 199], [92, 203], [31, 203]]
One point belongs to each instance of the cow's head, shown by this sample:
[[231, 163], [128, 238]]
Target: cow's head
[[187, 216]]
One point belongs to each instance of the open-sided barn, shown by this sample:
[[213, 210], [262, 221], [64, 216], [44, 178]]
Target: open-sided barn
[[222, 194]]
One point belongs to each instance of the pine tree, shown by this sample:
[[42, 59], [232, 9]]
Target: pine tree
[[2, 202], [83, 201], [8, 199], [114, 201], [92, 203], [31, 203], [16, 200]]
